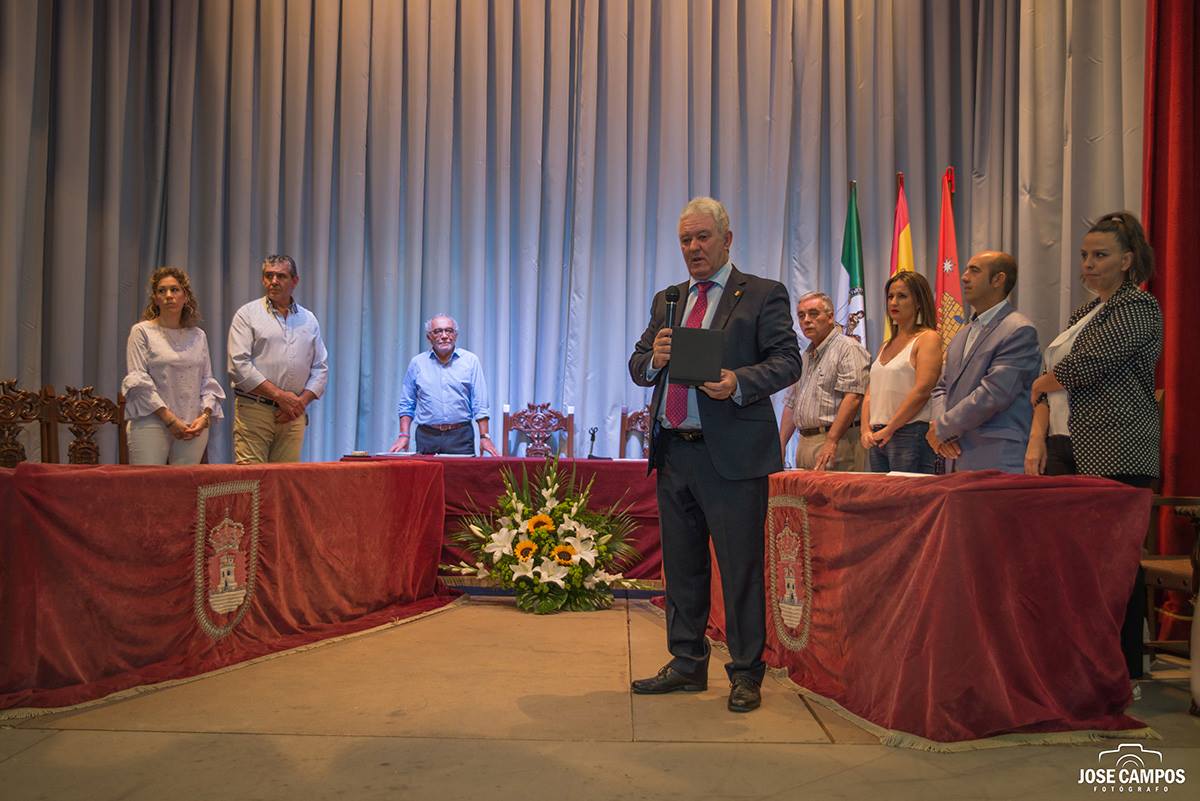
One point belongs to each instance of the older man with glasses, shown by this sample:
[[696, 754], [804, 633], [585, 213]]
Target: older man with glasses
[[443, 391]]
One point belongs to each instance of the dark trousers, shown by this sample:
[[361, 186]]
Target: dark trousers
[[694, 503], [457, 440], [1060, 461]]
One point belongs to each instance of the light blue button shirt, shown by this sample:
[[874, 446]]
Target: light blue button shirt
[[981, 322], [715, 292], [287, 351], [436, 393]]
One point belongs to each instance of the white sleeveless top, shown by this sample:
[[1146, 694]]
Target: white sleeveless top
[[890, 385]]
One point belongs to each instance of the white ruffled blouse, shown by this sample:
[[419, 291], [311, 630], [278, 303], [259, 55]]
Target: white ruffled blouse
[[169, 367]]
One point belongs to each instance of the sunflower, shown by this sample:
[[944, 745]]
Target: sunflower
[[563, 554], [540, 521], [524, 550]]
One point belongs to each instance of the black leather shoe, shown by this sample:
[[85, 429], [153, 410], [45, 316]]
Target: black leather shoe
[[669, 680], [744, 695]]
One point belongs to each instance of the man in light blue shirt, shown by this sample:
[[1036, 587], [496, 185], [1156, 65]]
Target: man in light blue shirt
[[277, 366], [444, 390]]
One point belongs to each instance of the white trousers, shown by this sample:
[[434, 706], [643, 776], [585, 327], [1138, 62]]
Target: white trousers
[[150, 442]]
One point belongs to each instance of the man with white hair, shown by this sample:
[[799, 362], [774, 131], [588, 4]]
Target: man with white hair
[[713, 446], [444, 390], [823, 405]]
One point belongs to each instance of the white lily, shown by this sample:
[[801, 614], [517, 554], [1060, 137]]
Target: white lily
[[601, 576], [505, 521], [584, 550], [477, 531], [501, 544], [551, 572], [481, 571], [581, 531], [523, 570]]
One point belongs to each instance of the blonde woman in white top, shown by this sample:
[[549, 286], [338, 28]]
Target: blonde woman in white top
[[171, 396], [896, 407]]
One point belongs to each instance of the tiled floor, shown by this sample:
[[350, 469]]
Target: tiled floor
[[484, 702]]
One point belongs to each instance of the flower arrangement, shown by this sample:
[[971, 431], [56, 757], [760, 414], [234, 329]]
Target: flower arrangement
[[542, 541]]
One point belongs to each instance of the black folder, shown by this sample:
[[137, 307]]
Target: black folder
[[696, 355]]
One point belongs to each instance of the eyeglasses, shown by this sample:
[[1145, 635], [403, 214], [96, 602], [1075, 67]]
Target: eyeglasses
[[437, 332]]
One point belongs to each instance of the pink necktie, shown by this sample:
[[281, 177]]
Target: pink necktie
[[677, 394]]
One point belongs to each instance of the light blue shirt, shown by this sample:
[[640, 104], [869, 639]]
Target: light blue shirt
[[436, 393], [719, 279], [287, 351], [979, 323]]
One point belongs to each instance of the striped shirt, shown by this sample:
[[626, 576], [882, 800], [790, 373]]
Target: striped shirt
[[839, 365]]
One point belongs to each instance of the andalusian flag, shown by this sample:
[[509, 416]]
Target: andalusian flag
[[851, 308], [902, 252], [949, 289]]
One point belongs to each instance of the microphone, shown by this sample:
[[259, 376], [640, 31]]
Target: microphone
[[672, 298]]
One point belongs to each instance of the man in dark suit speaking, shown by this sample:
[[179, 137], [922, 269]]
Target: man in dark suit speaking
[[714, 446]]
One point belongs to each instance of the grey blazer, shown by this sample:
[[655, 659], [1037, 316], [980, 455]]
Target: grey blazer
[[984, 397]]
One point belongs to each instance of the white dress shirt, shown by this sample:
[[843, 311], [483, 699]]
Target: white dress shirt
[[287, 351]]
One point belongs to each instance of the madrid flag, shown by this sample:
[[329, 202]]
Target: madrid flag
[[949, 290]]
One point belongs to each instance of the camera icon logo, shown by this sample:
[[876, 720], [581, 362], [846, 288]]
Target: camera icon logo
[[1132, 755]]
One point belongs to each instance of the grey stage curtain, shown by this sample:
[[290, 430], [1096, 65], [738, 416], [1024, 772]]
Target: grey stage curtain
[[521, 165]]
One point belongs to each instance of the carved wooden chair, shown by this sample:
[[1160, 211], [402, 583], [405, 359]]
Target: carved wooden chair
[[84, 413], [18, 407], [538, 422], [638, 423]]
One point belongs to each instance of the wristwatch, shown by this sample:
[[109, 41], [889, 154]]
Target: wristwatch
[[485, 436]]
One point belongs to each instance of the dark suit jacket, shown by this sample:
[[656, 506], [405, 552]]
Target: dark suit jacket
[[1109, 378], [761, 348]]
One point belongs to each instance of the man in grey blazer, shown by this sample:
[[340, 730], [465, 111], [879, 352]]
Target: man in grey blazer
[[981, 410], [714, 446]]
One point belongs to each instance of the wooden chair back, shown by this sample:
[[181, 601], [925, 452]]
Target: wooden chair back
[[18, 408], [84, 413], [635, 423], [538, 422]]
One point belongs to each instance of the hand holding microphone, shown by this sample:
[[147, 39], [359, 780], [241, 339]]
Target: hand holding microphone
[[662, 340]]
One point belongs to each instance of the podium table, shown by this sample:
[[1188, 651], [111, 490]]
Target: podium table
[[954, 607]]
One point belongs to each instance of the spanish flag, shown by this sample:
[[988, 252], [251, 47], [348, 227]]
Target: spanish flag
[[949, 288], [902, 252]]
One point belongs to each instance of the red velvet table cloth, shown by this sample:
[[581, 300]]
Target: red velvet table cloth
[[112, 577], [473, 484], [954, 607]]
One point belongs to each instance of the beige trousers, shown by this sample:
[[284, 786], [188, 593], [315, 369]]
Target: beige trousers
[[849, 456], [257, 438]]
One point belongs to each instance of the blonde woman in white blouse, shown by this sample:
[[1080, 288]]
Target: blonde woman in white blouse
[[171, 396]]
